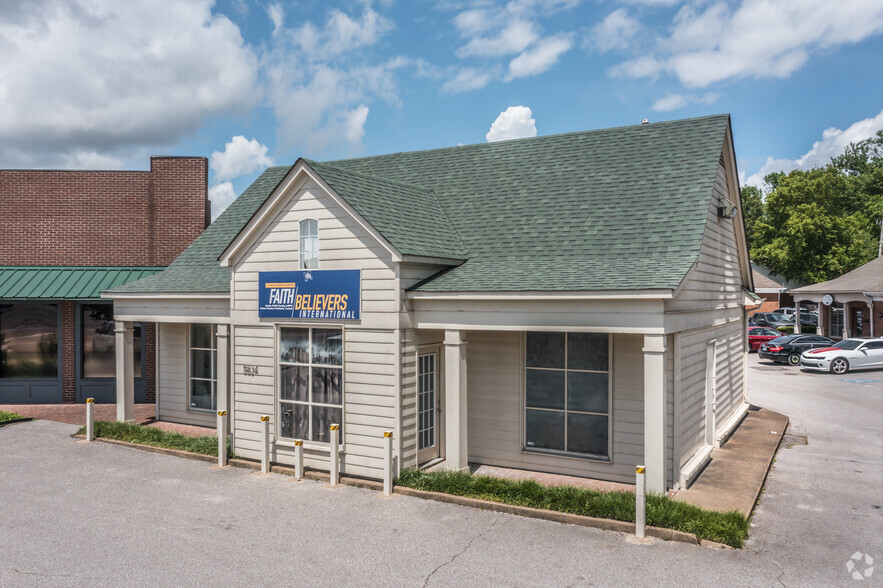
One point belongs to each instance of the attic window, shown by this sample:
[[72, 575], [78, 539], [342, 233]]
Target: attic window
[[309, 244]]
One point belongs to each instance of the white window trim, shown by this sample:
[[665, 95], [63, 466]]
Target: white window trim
[[277, 428], [523, 420], [214, 368], [300, 259]]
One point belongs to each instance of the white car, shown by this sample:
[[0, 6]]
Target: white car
[[860, 353]]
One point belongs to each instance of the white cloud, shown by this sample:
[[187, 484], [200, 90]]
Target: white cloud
[[675, 101], [319, 85], [539, 58], [616, 31], [277, 15], [758, 38], [516, 122], [472, 22], [515, 37], [240, 156], [221, 195], [341, 33], [467, 79], [834, 141], [105, 77]]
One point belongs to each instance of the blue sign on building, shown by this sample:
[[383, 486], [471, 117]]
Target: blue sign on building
[[310, 294]]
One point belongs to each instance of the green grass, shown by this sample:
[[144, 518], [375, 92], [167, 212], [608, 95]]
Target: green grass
[[9, 416], [730, 528], [204, 445]]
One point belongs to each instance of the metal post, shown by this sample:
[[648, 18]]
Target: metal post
[[640, 503], [222, 438], [387, 463], [265, 444], [335, 456], [90, 419], [298, 460]]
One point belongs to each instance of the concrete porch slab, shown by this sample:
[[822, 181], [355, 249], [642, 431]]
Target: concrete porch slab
[[737, 472]]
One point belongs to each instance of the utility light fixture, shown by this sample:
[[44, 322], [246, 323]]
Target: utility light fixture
[[728, 210]]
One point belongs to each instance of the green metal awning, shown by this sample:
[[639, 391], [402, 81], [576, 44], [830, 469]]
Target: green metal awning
[[66, 283]]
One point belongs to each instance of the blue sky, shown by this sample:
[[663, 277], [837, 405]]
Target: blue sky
[[105, 84]]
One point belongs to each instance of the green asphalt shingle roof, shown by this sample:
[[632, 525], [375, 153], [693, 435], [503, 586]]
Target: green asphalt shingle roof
[[65, 283], [613, 209]]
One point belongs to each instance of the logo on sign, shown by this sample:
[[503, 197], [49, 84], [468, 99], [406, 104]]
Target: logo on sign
[[310, 294]]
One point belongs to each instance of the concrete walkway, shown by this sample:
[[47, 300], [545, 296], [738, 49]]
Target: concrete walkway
[[75, 414], [734, 478]]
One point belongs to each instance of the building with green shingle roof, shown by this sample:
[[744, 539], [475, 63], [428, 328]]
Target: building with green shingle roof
[[517, 304]]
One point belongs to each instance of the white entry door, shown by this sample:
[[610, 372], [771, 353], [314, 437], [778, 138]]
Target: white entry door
[[428, 407], [710, 392]]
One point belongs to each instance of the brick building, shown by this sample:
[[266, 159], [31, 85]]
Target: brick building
[[64, 237]]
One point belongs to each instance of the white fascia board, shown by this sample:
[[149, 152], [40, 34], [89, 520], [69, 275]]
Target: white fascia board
[[729, 153], [297, 177], [769, 290], [541, 295], [166, 296], [431, 260]]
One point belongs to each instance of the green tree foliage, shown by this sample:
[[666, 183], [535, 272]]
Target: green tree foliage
[[819, 224], [752, 210]]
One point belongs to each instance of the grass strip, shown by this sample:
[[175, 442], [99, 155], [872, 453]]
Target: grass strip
[[9, 416], [204, 445], [730, 528]]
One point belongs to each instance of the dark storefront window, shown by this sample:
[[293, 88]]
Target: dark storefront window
[[29, 340], [99, 342]]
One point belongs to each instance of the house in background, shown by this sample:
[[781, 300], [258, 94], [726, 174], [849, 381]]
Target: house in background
[[572, 304], [771, 289], [64, 237], [851, 305]]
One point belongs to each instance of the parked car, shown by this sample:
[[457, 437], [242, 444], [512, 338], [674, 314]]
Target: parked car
[[757, 336], [808, 318], [787, 349], [772, 319], [859, 353]]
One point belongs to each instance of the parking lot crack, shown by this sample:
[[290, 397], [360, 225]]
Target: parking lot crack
[[464, 550], [24, 573]]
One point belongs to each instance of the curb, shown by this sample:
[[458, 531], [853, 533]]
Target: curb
[[548, 515], [13, 421], [524, 511]]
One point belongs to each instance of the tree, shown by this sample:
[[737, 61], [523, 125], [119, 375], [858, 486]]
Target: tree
[[752, 210], [819, 224], [814, 226]]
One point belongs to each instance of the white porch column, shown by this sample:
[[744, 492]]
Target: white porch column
[[870, 304], [456, 449], [125, 372], [654, 411], [797, 330], [222, 368]]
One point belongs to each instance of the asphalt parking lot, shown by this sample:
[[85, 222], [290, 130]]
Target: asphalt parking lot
[[75, 514]]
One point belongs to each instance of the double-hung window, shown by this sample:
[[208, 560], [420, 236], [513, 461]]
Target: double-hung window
[[203, 367], [309, 243], [567, 393], [310, 382]]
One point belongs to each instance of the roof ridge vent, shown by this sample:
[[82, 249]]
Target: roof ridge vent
[[645, 121]]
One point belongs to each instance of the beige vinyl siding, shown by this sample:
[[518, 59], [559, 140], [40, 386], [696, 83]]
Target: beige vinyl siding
[[715, 281], [693, 346], [729, 380], [411, 343], [730, 375], [343, 244], [370, 401], [495, 373], [174, 400]]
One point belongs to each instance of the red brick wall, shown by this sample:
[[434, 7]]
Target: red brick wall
[[124, 218], [149, 330], [68, 349]]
